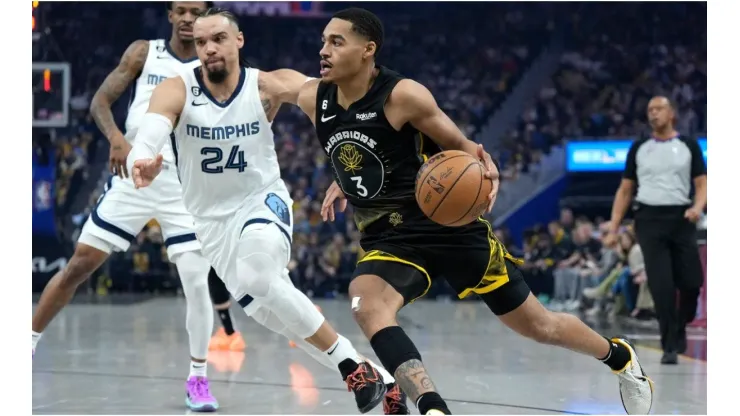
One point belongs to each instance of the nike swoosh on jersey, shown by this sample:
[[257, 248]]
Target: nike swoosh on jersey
[[324, 120], [198, 104]]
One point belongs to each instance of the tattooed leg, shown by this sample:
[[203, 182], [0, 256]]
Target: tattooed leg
[[412, 377], [375, 304]]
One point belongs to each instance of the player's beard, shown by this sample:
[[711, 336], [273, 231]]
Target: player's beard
[[218, 76]]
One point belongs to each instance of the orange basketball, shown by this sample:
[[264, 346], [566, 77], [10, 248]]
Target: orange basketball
[[451, 188]]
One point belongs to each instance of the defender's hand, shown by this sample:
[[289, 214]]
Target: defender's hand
[[119, 150], [332, 194], [145, 170], [491, 173]]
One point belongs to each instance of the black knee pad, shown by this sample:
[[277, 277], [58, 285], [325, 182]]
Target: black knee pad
[[217, 288], [393, 347]]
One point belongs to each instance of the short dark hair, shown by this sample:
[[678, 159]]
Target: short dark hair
[[171, 4], [365, 23], [217, 11]]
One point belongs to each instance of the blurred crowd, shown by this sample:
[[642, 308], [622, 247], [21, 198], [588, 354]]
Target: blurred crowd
[[574, 265], [470, 62], [607, 75]]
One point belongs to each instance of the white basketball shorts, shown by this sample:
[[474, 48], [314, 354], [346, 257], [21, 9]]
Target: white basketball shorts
[[123, 211], [220, 238]]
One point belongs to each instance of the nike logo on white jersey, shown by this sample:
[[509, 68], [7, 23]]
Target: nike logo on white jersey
[[325, 119]]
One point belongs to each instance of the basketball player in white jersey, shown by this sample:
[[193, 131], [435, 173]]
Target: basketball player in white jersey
[[122, 212], [221, 114]]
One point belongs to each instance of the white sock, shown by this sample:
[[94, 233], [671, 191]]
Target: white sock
[[341, 350], [198, 369], [35, 337]]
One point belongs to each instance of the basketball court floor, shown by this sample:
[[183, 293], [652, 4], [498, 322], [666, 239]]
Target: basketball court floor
[[131, 357]]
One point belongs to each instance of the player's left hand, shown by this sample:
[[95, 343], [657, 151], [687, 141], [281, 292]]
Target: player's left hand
[[491, 173], [692, 214], [334, 193], [145, 170]]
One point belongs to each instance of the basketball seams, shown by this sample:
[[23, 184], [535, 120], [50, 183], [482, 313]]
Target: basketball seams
[[421, 182], [451, 187], [477, 194]]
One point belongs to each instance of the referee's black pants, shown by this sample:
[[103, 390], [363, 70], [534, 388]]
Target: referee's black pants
[[673, 267]]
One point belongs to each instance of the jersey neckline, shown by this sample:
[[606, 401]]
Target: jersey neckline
[[199, 78], [381, 71], [169, 50]]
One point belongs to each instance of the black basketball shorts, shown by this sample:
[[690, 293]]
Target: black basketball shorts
[[409, 250]]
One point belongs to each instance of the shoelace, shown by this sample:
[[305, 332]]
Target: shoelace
[[392, 401], [357, 379], [201, 388]]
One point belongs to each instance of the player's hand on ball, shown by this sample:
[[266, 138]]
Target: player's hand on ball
[[332, 194], [491, 173], [119, 150], [145, 170]]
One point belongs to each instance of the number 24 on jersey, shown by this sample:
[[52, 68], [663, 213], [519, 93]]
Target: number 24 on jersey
[[212, 164]]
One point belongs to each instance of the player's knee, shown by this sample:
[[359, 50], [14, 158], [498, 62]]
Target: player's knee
[[193, 270], [544, 329], [261, 258], [372, 313], [83, 263]]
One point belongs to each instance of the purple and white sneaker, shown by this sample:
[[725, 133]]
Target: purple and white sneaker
[[199, 398]]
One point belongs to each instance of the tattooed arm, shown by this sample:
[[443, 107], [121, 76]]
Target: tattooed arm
[[279, 87], [132, 62]]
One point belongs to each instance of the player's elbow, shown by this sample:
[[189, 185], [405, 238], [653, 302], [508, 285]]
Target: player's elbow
[[98, 103]]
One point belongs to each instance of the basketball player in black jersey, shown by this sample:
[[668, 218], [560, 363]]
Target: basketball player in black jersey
[[378, 128]]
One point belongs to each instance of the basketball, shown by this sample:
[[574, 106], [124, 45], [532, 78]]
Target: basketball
[[451, 189]]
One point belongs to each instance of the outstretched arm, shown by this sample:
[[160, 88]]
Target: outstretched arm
[[307, 98], [165, 106], [412, 103], [279, 87]]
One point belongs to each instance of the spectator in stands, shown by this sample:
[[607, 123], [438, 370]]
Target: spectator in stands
[[596, 269], [567, 221], [539, 266]]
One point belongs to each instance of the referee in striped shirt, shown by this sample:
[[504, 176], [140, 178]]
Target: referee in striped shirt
[[662, 168]]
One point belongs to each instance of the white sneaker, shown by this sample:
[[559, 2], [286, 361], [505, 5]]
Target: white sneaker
[[635, 388], [591, 293], [593, 312], [572, 305]]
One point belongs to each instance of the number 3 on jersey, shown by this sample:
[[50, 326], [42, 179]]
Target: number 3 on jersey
[[361, 190], [210, 164]]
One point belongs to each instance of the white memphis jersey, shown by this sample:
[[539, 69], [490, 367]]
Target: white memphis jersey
[[225, 152], [161, 63]]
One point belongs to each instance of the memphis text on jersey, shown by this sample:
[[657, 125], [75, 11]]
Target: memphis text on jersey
[[223, 132]]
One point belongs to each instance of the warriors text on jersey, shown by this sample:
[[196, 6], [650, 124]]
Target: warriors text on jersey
[[374, 164], [161, 63], [224, 150]]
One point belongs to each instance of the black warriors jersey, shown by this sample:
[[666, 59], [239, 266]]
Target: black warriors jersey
[[374, 164]]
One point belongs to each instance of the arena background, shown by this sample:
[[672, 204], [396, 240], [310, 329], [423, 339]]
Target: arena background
[[555, 91]]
